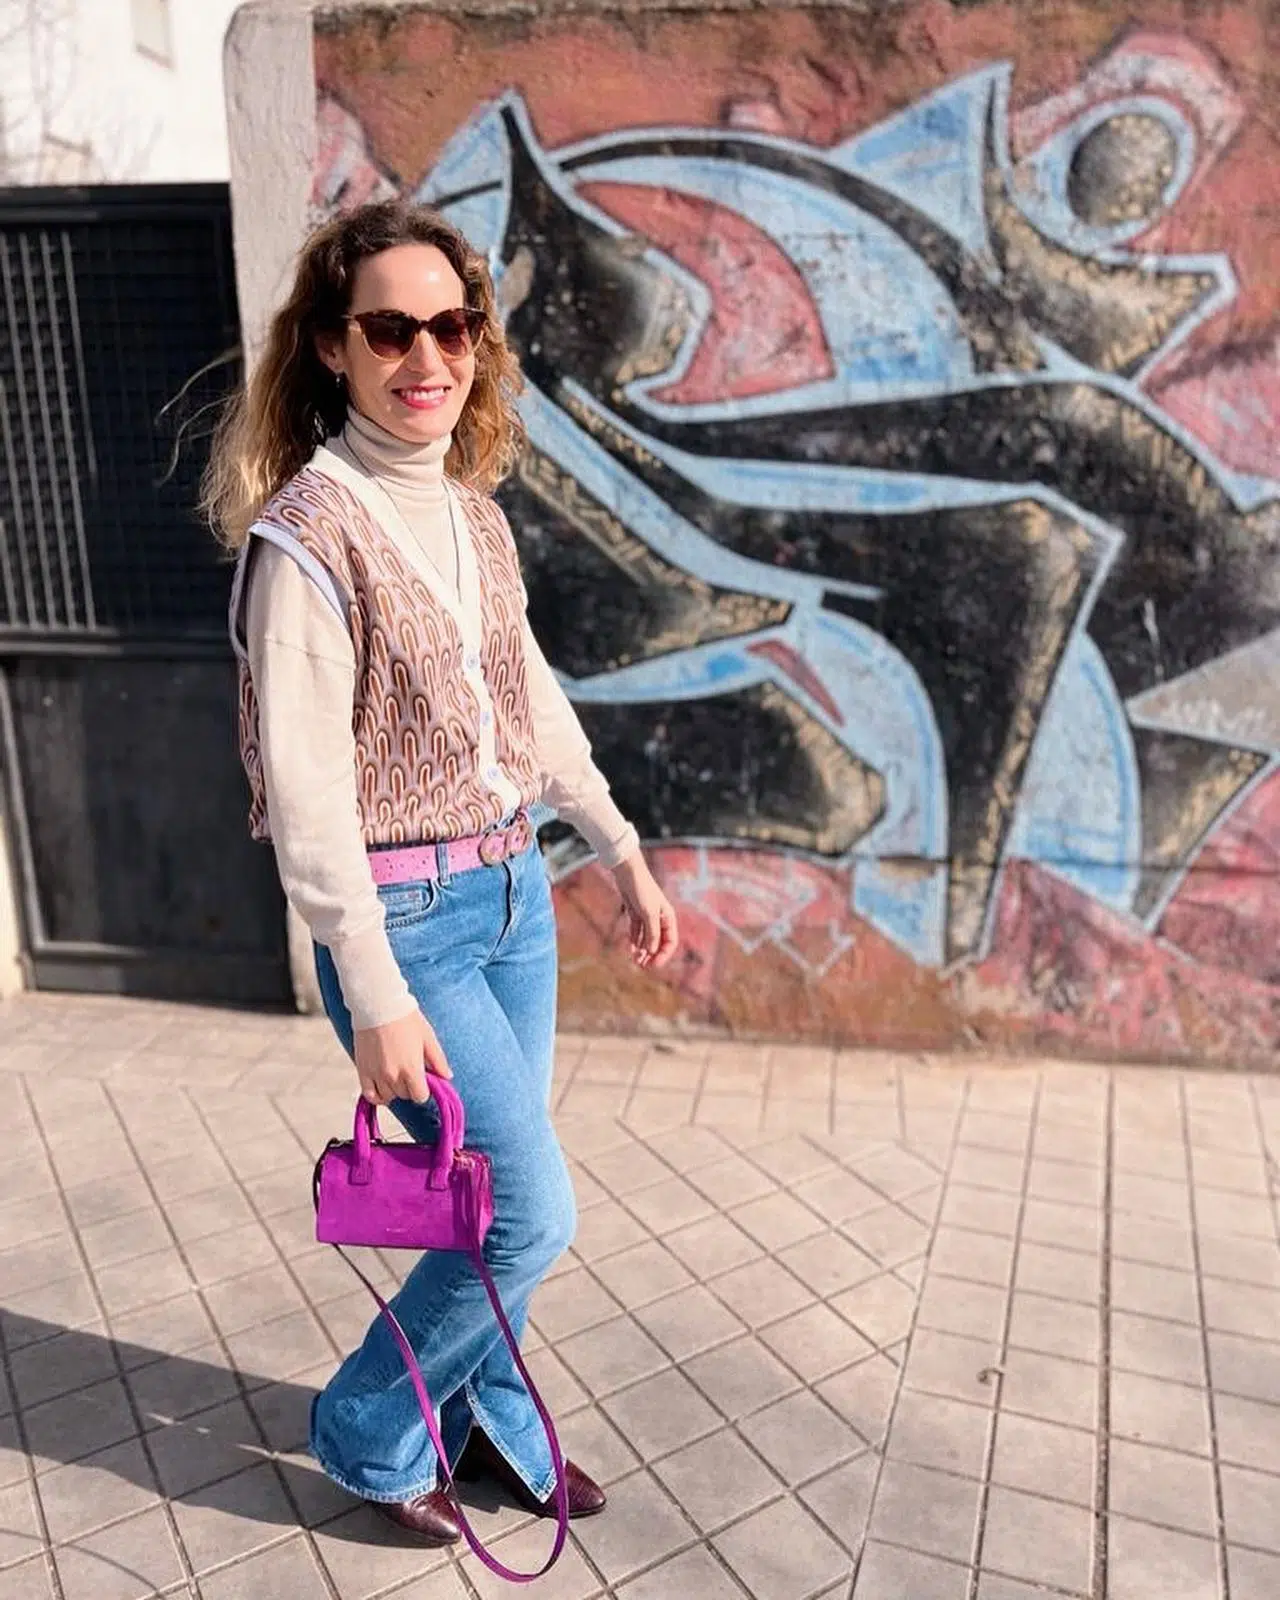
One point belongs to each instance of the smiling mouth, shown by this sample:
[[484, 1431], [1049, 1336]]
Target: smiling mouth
[[423, 397]]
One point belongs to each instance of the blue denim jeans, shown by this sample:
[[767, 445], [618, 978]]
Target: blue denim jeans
[[479, 953]]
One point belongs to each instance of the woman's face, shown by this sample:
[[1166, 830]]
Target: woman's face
[[417, 397]]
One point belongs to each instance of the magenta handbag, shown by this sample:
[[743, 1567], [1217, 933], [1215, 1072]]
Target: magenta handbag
[[425, 1197]]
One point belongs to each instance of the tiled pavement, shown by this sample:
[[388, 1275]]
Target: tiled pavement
[[861, 1326]]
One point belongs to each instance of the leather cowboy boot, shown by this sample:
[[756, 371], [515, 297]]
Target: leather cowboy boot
[[430, 1517], [586, 1498]]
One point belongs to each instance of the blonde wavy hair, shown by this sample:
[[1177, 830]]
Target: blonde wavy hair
[[291, 404]]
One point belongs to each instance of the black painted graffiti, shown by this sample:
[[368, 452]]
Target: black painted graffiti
[[981, 600], [1038, 529]]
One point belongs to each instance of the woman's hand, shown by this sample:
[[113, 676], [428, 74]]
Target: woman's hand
[[654, 932], [392, 1061]]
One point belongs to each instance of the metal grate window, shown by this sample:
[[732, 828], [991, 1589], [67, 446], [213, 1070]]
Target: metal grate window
[[46, 443], [120, 334]]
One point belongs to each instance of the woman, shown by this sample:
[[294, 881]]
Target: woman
[[397, 722]]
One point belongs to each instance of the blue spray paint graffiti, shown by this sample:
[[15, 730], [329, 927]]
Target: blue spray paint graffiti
[[937, 554]]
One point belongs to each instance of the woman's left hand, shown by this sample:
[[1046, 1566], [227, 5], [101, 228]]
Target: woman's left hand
[[654, 932]]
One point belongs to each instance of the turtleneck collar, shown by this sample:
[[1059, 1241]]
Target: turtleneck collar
[[411, 473]]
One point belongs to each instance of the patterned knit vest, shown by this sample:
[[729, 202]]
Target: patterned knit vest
[[415, 718]]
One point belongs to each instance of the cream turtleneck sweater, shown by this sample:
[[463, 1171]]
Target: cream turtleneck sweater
[[301, 659]]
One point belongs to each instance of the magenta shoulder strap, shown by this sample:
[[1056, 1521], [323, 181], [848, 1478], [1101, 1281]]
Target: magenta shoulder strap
[[429, 1417]]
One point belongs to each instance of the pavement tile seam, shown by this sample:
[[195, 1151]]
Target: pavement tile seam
[[73, 1541], [1219, 1509], [10, 1251], [858, 1544], [28, 1478], [851, 1542], [852, 1165], [774, 1257], [709, 1283], [667, 1500], [722, 1417], [170, 1521], [243, 1386], [995, 1374], [1042, 1591], [283, 1258], [774, 1322], [716, 1530], [995, 1092], [909, 1550], [215, 1569]]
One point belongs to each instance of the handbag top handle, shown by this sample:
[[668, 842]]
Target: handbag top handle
[[452, 1134]]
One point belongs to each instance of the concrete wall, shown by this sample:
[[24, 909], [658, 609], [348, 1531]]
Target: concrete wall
[[81, 103], [900, 505]]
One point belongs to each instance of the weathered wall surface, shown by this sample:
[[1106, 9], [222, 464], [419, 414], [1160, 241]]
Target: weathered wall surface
[[99, 91], [900, 504]]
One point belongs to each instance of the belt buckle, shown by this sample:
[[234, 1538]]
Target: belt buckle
[[492, 849], [497, 847]]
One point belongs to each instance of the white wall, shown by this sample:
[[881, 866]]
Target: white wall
[[136, 119]]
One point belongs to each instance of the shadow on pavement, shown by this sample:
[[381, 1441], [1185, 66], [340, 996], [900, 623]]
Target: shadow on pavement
[[203, 1424]]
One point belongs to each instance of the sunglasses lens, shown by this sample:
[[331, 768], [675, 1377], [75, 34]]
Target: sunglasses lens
[[392, 334], [388, 335], [452, 331]]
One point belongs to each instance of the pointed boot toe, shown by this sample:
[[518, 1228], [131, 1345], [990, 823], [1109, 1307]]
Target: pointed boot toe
[[586, 1497], [430, 1518]]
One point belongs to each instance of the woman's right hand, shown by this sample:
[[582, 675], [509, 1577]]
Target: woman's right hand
[[392, 1061]]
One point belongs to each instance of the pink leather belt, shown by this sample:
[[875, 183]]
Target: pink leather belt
[[424, 863]]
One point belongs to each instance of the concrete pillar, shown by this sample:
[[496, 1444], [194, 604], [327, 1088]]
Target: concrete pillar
[[271, 94], [270, 87]]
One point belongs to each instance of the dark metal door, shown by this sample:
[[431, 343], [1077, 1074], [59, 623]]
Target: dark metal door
[[126, 806]]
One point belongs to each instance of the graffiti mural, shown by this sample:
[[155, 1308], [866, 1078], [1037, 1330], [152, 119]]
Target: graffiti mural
[[900, 526]]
